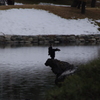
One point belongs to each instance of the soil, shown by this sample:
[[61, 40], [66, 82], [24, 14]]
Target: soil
[[64, 12]]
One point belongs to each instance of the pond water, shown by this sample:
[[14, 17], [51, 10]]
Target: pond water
[[24, 76]]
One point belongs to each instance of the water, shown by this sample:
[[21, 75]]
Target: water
[[23, 74]]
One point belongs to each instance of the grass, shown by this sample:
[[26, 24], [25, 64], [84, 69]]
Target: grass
[[64, 12], [84, 85]]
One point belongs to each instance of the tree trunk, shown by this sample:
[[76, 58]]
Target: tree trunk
[[83, 7], [93, 3], [79, 4], [75, 3], [10, 2]]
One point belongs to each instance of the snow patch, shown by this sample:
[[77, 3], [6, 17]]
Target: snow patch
[[41, 22]]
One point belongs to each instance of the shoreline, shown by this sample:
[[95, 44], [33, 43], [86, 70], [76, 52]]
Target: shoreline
[[43, 40]]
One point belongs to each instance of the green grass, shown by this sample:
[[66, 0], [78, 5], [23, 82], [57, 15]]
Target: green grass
[[83, 85]]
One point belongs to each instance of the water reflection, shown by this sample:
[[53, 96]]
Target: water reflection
[[79, 54], [23, 74]]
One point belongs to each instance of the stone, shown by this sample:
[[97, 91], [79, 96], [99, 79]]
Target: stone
[[30, 39], [93, 40], [2, 38], [8, 37], [54, 39], [82, 40], [16, 38], [56, 42], [46, 42], [41, 42], [35, 41]]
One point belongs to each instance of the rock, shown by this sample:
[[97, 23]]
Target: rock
[[60, 68], [41, 42], [16, 38], [2, 38], [81, 40], [56, 42]]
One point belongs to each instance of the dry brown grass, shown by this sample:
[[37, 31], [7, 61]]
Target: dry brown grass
[[64, 12]]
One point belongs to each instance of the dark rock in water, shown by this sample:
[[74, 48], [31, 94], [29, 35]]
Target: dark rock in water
[[60, 68]]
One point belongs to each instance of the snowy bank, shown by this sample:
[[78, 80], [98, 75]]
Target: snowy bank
[[41, 3], [41, 22]]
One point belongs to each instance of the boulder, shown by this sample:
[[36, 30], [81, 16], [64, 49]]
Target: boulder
[[60, 68]]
